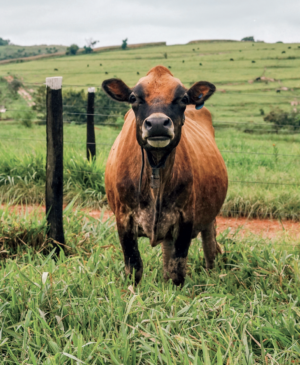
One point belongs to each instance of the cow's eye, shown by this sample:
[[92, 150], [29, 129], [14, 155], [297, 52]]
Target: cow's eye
[[132, 99], [185, 99]]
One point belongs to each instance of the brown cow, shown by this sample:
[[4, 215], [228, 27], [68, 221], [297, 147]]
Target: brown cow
[[185, 181]]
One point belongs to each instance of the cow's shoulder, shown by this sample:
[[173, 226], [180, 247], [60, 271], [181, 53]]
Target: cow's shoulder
[[202, 117]]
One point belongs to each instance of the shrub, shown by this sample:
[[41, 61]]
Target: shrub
[[4, 42], [7, 94], [282, 119], [87, 49], [124, 43], [14, 86], [24, 116], [72, 50], [248, 39], [39, 98]]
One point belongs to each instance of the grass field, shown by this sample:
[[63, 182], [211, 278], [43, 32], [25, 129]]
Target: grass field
[[236, 100], [81, 309], [12, 51], [264, 170]]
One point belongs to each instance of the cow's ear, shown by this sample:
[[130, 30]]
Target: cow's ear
[[117, 89], [200, 92]]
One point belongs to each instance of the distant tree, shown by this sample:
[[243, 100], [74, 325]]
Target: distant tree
[[4, 42], [87, 49], [248, 39], [72, 50], [124, 44], [90, 43]]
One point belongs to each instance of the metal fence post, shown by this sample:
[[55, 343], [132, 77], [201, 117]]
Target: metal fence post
[[90, 128], [54, 164]]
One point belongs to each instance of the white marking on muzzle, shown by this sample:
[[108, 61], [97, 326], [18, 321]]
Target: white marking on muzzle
[[158, 144]]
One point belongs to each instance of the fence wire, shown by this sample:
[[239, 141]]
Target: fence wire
[[112, 141], [237, 92]]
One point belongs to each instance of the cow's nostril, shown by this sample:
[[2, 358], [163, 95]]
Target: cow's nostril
[[167, 122], [148, 124]]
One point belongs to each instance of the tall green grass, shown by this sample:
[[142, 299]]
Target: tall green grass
[[264, 170], [82, 309]]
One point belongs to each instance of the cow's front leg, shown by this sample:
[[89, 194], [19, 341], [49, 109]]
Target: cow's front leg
[[178, 257], [128, 239]]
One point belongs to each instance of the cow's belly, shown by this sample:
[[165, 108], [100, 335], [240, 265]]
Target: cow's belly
[[144, 218]]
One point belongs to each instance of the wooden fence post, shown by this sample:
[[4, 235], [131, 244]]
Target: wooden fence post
[[90, 128], [54, 164]]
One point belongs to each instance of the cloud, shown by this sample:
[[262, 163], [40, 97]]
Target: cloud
[[174, 21]]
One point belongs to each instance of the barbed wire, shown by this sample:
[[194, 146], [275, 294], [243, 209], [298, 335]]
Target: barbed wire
[[112, 141], [258, 153], [226, 125], [44, 140], [230, 181], [64, 106], [216, 124], [101, 115], [262, 182], [237, 92]]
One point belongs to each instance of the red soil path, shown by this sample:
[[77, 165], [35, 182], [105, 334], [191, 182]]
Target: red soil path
[[267, 228]]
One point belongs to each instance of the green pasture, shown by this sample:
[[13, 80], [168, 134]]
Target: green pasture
[[236, 100], [260, 185], [264, 170], [83, 310], [12, 51]]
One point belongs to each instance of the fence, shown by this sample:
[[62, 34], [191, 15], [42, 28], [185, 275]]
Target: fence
[[55, 142]]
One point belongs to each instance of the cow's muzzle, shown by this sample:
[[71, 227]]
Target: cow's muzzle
[[158, 130]]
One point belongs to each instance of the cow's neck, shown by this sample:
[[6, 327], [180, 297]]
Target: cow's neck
[[160, 165]]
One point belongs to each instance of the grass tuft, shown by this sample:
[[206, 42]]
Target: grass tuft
[[82, 309]]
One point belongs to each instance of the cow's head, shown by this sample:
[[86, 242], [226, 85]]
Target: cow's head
[[159, 101]]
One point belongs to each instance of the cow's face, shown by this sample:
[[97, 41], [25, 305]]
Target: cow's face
[[159, 101]]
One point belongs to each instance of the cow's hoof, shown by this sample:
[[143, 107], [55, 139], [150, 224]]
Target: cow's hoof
[[177, 270], [178, 281], [137, 274]]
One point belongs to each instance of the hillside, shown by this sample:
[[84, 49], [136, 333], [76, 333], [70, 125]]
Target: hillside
[[250, 77], [12, 51]]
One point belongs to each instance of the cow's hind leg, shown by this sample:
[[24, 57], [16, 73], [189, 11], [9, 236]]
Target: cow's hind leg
[[210, 246], [167, 252], [129, 243]]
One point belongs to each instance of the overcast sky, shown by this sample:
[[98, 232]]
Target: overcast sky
[[174, 21]]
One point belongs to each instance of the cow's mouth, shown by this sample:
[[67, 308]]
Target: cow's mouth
[[159, 141]]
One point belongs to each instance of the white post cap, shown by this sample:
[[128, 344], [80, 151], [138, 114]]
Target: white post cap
[[91, 90], [54, 83]]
